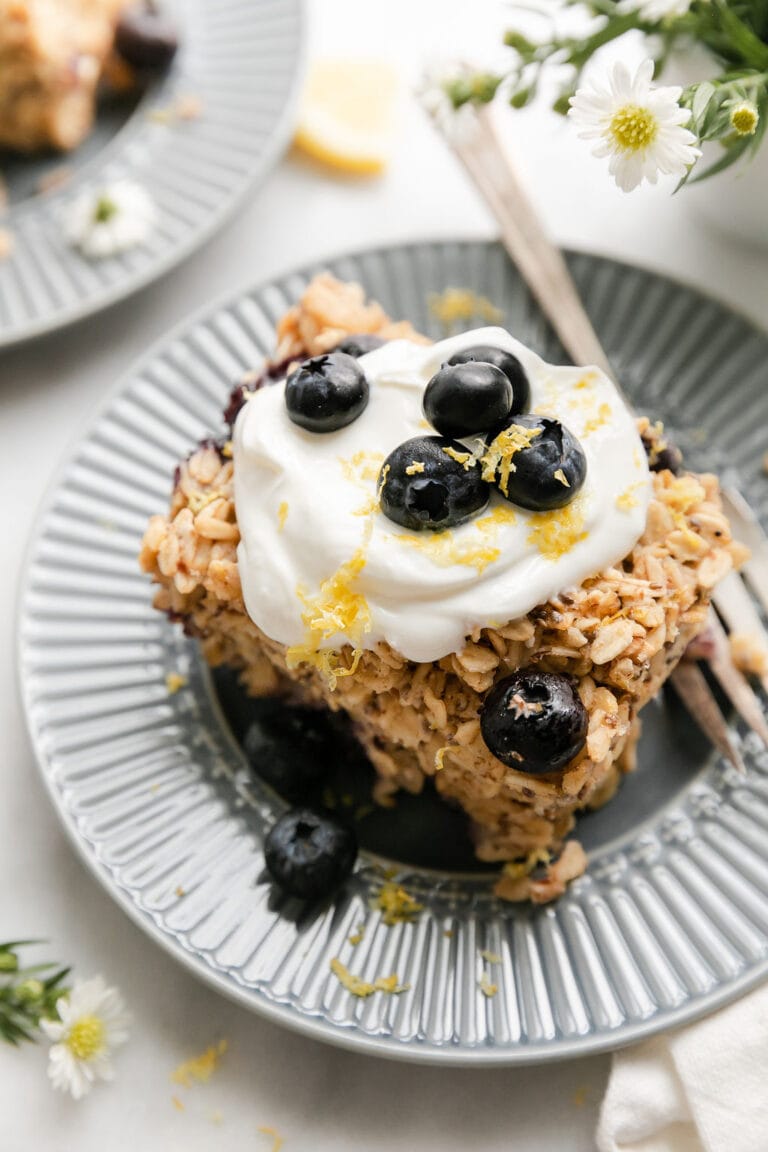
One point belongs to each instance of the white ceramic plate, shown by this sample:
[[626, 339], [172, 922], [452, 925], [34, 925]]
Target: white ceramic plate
[[241, 59], [671, 919]]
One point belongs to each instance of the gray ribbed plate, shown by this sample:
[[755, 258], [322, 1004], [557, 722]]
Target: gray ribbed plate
[[671, 919], [242, 60]]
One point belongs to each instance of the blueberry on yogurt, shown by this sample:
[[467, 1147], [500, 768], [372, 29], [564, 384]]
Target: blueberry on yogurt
[[536, 463], [326, 393], [534, 721], [431, 482], [505, 362], [472, 397]]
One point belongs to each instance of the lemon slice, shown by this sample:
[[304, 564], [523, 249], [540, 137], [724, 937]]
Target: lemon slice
[[348, 113]]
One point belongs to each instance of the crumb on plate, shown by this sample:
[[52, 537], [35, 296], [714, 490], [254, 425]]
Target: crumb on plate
[[748, 654]]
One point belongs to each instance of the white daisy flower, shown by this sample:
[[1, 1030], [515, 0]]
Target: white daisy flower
[[654, 11], [639, 126], [92, 1022], [105, 221]]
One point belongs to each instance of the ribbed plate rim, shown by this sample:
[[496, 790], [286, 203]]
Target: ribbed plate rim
[[287, 1015]]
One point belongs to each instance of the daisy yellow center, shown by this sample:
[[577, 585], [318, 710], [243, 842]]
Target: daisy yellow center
[[86, 1037], [633, 128]]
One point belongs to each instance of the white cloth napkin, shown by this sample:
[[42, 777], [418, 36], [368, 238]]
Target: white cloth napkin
[[701, 1089]]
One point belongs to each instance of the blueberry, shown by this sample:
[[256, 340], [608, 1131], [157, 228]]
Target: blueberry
[[534, 721], [424, 486], [145, 39], [462, 399], [360, 344], [509, 365], [308, 853], [663, 456], [289, 747], [541, 471], [326, 393]]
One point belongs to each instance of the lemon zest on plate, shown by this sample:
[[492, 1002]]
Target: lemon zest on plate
[[396, 904], [456, 305], [174, 682], [486, 986], [364, 988]]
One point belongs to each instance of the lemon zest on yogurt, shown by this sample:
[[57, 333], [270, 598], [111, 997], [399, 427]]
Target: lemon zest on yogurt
[[363, 466], [336, 610], [627, 499], [555, 533], [444, 550], [602, 417]]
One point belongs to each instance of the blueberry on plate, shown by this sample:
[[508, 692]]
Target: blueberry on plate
[[462, 399], [360, 344], [309, 854], [538, 463], [326, 393], [430, 482], [534, 721], [289, 747], [145, 39], [509, 365]]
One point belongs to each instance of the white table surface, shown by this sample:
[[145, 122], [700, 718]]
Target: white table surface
[[320, 1099]]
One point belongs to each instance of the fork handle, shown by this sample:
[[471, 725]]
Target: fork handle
[[543, 268]]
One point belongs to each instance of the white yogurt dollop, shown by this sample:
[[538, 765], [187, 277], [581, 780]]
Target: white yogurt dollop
[[306, 507]]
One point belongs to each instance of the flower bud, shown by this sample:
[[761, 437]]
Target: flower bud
[[744, 118]]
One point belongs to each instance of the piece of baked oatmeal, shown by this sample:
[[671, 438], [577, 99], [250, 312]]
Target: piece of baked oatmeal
[[242, 528], [52, 53]]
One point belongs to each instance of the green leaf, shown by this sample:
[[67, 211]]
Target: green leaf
[[57, 978], [732, 153], [702, 95], [741, 37]]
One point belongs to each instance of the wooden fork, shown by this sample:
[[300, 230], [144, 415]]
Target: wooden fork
[[479, 147]]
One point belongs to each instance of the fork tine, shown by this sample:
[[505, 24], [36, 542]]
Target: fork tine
[[691, 685], [734, 683], [748, 530], [737, 608]]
